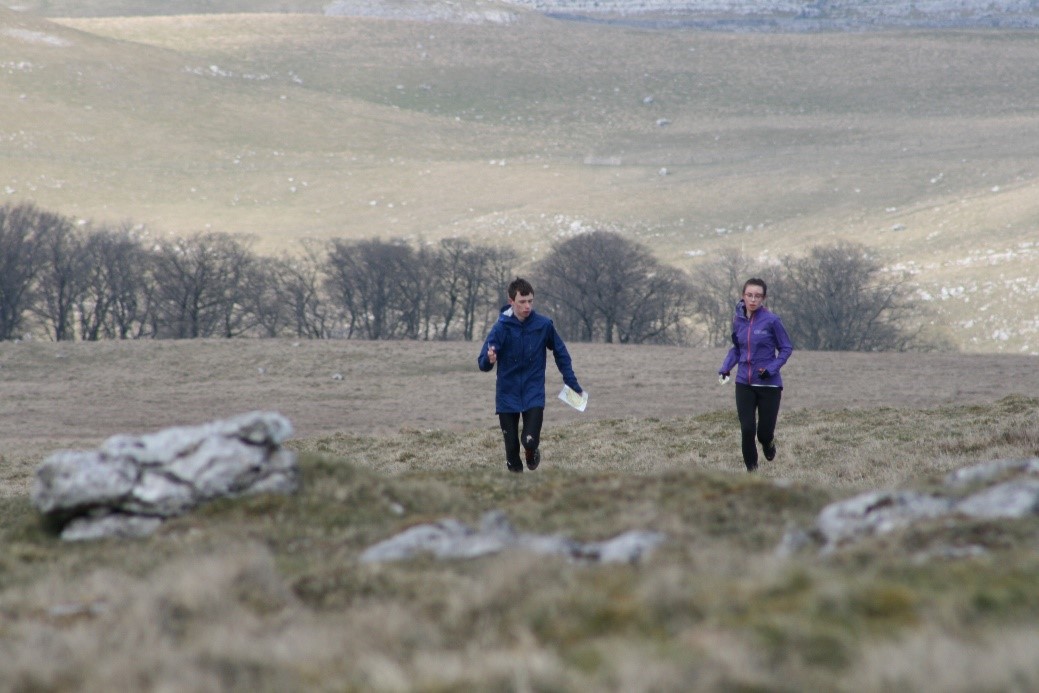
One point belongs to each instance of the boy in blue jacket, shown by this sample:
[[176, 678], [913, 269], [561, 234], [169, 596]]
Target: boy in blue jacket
[[760, 348], [519, 343]]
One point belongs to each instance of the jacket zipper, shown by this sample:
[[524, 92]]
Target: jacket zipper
[[750, 367]]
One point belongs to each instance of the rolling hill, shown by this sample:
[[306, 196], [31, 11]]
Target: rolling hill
[[920, 144]]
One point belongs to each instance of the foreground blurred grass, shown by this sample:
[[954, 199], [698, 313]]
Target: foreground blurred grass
[[267, 593]]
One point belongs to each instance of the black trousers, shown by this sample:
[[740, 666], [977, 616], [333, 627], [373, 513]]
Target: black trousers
[[510, 430], [758, 409]]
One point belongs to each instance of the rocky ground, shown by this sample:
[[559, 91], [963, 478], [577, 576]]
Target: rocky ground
[[726, 15]]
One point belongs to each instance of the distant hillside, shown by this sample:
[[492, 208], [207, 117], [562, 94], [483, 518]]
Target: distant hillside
[[719, 15], [785, 15], [923, 145]]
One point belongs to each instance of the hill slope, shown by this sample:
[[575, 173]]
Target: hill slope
[[923, 145]]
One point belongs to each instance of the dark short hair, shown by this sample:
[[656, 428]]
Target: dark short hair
[[754, 281], [521, 287]]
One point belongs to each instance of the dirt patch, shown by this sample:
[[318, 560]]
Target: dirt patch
[[72, 395]]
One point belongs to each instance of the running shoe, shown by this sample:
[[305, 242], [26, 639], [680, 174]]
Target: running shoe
[[533, 458]]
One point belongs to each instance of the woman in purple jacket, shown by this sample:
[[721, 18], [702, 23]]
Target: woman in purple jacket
[[760, 348]]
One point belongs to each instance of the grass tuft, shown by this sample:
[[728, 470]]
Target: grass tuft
[[267, 591]]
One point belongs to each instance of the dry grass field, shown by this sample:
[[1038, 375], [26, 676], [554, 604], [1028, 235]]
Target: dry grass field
[[922, 145], [268, 594], [70, 395]]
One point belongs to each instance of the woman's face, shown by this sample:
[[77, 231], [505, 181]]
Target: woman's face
[[753, 297]]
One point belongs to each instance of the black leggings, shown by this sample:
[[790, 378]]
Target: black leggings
[[764, 401], [532, 419]]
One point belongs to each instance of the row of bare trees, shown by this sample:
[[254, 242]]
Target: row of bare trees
[[117, 283]]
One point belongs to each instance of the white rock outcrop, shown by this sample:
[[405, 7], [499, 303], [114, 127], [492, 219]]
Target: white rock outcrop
[[131, 483], [1003, 489], [449, 538]]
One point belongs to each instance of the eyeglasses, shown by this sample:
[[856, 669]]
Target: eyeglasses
[[754, 297]]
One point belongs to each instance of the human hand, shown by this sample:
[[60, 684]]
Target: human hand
[[492, 354], [763, 372], [723, 378]]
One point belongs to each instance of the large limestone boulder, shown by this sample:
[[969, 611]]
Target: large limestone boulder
[[131, 483]]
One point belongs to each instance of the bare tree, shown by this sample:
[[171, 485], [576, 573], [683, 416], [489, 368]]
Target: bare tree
[[716, 289], [199, 283], [418, 292], [20, 261], [491, 287], [658, 312], [262, 297], [236, 261], [118, 289], [835, 299], [467, 282], [301, 279], [61, 280], [452, 260], [371, 282], [602, 286], [114, 285]]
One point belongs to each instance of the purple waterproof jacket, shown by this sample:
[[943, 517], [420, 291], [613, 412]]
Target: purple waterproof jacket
[[759, 343]]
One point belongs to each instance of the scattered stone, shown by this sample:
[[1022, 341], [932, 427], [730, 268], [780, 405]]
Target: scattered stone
[[876, 512], [1003, 489], [130, 484], [989, 471], [1011, 499], [449, 538]]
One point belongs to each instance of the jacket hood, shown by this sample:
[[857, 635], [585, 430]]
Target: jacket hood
[[741, 310], [507, 313]]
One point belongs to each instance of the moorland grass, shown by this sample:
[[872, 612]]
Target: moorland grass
[[268, 593]]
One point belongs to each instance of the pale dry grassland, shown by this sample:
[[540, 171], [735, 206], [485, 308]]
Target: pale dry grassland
[[267, 593], [922, 145]]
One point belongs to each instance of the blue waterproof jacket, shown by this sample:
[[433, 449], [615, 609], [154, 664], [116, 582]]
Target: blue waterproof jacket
[[522, 348], [759, 342]]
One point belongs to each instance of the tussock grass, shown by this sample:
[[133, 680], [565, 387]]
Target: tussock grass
[[267, 593]]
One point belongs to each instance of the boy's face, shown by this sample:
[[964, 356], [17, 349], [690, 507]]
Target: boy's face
[[522, 305]]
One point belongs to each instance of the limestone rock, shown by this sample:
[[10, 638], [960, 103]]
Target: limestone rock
[[131, 483], [1002, 489], [876, 512], [450, 538], [1010, 499]]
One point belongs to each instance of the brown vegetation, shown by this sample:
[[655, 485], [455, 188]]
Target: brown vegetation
[[267, 594], [77, 394]]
